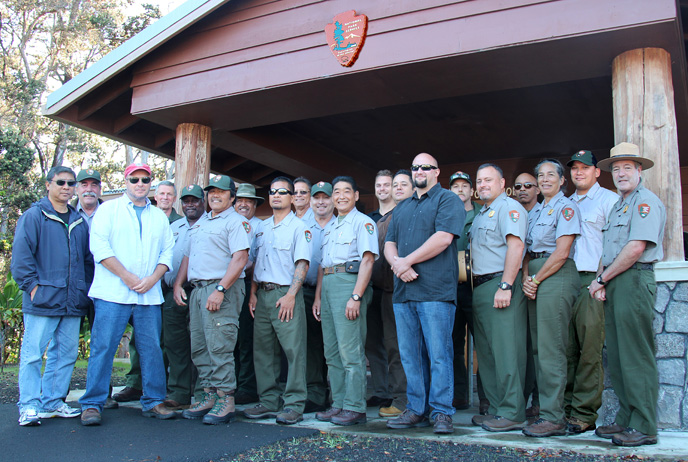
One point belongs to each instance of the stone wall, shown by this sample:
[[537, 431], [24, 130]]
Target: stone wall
[[671, 340]]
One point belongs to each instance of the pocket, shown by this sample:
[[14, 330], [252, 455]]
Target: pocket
[[50, 295], [486, 227], [84, 301], [343, 245]]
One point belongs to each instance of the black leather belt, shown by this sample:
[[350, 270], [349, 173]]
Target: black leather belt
[[268, 286], [334, 269], [639, 266], [204, 282], [534, 255], [477, 280]]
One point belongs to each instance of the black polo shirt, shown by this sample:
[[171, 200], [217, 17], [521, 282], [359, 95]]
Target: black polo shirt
[[413, 222]]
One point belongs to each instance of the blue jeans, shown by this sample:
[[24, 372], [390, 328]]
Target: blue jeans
[[108, 328], [62, 332], [424, 331]]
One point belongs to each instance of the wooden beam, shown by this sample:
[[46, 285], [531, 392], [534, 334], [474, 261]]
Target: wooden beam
[[163, 138], [261, 173], [124, 122], [104, 96], [231, 163]]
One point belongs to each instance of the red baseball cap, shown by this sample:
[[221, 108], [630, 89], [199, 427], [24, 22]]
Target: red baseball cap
[[136, 166]]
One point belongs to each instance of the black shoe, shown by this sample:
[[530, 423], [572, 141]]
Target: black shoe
[[313, 407], [241, 397], [128, 394], [377, 401]]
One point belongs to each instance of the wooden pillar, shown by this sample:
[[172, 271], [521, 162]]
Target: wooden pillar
[[192, 156], [644, 115]]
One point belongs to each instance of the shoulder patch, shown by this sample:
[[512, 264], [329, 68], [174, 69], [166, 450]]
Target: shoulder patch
[[643, 210], [568, 213], [514, 215], [309, 235], [247, 226], [370, 228]]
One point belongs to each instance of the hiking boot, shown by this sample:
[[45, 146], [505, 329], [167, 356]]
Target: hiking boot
[[259, 412], [631, 437], [575, 426], [159, 411], [326, 416], [90, 416], [443, 424], [391, 411], [29, 418], [607, 431], [347, 417], [288, 416], [128, 394], [408, 419], [202, 407], [501, 424], [63, 410], [543, 428], [222, 412], [479, 420]]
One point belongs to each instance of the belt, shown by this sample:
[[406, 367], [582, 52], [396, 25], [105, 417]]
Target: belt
[[268, 286], [335, 269], [204, 282], [477, 280], [534, 255], [638, 266]]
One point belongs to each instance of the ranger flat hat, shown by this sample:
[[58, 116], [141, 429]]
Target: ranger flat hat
[[221, 182], [88, 174], [583, 156], [625, 151], [323, 187], [192, 190], [248, 191]]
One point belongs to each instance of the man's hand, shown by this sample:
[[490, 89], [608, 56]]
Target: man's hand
[[179, 295], [502, 299], [33, 291], [252, 299], [144, 285], [214, 300], [409, 275], [286, 307], [131, 281], [353, 309], [400, 266], [530, 288], [316, 309], [597, 291]]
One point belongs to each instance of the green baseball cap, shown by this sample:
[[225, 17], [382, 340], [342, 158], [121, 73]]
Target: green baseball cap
[[88, 174], [192, 190], [460, 176], [323, 187], [221, 182], [583, 156]]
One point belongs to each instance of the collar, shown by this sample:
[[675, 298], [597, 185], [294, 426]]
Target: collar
[[285, 221], [591, 193], [349, 218], [484, 208], [431, 192], [79, 208], [637, 189], [223, 214], [125, 198], [554, 200]]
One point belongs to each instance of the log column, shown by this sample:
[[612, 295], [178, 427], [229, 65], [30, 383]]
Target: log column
[[192, 156], [644, 115]]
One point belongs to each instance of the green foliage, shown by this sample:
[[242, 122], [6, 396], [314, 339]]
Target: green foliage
[[11, 322]]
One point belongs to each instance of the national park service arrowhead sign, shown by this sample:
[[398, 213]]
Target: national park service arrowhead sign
[[345, 36]]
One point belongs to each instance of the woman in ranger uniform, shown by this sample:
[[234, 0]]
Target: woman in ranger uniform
[[552, 288]]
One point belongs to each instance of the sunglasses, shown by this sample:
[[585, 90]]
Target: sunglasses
[[424, 167], [280, 191], [518, 186], [301, 193], [144, 180], [70, 183]]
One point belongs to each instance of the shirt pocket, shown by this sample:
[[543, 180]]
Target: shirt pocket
[[481, 232], [345, 243], [545, 230], [282, 244], [620, 229]]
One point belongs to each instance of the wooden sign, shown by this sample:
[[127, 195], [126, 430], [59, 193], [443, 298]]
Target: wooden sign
[[345, 36]]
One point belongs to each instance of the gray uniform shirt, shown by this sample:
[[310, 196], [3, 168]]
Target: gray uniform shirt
[[180, 231], [88, 219], [639, 217], [277, 248], [559, 217], [212, 241], [594, 208], [491, 226], [349, 239], [316, 237]]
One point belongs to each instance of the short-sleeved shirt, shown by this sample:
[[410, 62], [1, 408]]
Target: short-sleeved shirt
[[277, 248], [559, 217], [348, 239], [180, 231], [533, 214], [316, 236], [306, 216], [639, 217], [463, 240], [594, 207], [414, 221], [212, 241], [503, 217], [252, 224]]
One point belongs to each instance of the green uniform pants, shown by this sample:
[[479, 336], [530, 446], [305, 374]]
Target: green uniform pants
[[550, 315], [269, 334], [631, 348], [344, 341], [316, 369], [500, 340], [585, 376], [177, 341], [214, 335], [133, 376]]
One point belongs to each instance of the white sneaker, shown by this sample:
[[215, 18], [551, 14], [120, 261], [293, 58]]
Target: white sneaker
[[62, 411], [29, 418]]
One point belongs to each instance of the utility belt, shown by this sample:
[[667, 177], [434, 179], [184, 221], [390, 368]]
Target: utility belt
[[198, 283], [348, 267], [269, 286], [477, 280], [639, 266], [534, 255], [464, 266]]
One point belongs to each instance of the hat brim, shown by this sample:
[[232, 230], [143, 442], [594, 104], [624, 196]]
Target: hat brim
[[606, 164], [570, 163], [258, 198], [188, 194]]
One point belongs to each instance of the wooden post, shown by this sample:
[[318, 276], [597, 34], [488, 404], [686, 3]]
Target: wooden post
[[644, 115], [192, 157]]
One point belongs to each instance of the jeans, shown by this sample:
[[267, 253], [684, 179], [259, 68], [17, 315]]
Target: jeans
[[62, 332], [111, 321], [424, 330]]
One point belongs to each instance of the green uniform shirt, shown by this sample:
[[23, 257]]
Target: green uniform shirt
[[463, 240]]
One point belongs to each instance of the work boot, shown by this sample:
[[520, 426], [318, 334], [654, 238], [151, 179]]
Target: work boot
[[443, 424], [288, 416], [502, 424], [90, 416], [575, 426], [479, 420], [408, 419], [159, 411], [128, 394], [347, 417], [543, 428], [326, 416], [631, 437], [222, 412], [391, 411], [607, 431], [202, 407], [259, 412]]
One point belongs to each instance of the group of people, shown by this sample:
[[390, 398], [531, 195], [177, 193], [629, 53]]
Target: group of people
[[228, 309]]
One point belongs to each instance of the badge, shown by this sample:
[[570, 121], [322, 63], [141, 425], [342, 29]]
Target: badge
[[321, 184], [89, 171], [217, 178], [491, 214], [568, 213], [247, 226], [643, 210], [550, 212], [514, 215], [346, 35], [625, 209], [309, 236], [370, 228]]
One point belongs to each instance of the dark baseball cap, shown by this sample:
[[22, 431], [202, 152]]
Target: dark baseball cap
[[88, 174], [460, 176], [585, 157], [323, 187], [221, 182], [192, 190]]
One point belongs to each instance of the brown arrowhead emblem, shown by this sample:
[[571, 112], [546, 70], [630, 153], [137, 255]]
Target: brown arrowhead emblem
[[345, 36]]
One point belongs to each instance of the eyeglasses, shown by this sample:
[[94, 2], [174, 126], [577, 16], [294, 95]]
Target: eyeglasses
[[280, 191], [301, 193], [70, 183], [144, 180], [518, 186], [424, 167]]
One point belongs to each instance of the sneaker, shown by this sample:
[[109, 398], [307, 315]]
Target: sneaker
[[259, 412], [128, 394], [501, 424], [575, 426], [90, 416], [288, 417], [608, 431], [543, 428], [202, 407], [408, 420], [443, 424], [63, 410], [222, 412], [391, 411], [631, 437], [29, 418]]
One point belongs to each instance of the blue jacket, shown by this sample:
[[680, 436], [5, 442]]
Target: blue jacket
[[54, 256]]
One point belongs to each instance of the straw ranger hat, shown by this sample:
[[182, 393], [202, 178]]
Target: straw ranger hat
[[625, 151]]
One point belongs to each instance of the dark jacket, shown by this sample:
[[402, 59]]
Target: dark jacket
[[56, 257]]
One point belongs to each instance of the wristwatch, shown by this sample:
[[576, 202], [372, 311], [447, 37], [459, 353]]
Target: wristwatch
[[505, 286], [600, 281], [220, 288], [356, 297]]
